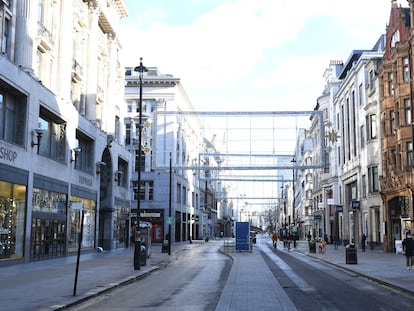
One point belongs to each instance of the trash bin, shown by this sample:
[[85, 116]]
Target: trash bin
[[312, 246], [350, 254], [165, 246], [143, 256]]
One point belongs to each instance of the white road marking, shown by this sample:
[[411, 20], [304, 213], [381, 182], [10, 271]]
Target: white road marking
[[295, 278]]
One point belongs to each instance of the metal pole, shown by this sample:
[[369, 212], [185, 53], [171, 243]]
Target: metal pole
[[169, 209], [79, 252], [294, 200], [137, 249]]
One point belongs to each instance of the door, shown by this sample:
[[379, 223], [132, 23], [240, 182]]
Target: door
[[48, 239]]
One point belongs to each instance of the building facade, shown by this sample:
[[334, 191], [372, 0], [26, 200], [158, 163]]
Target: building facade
[[395, 73], [347, 203], [60, 81], [173, 131]]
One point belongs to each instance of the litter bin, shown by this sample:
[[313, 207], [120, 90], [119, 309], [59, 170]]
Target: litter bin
[[312, 246], [165, 246], [350, 254]]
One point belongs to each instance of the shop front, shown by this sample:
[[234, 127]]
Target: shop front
[[82, 201], [12, 217], [13, 209], [48, 219]]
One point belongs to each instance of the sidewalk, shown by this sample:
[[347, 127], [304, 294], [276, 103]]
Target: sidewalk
[[385, 268], [48, 285]]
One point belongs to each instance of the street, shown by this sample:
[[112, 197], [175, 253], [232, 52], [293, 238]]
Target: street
[[195, 281], [312, 285]]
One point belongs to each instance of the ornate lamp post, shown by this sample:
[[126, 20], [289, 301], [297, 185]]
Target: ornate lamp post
[[137, 250]]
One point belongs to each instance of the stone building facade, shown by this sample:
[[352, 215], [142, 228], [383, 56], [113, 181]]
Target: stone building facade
[[60, 88], [396, 177]]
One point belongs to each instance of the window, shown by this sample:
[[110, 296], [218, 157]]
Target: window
[[85, 158], [410, 153], [179, 193], [395, 38], [127, 133], [5, 22], [364, 186], [77, 97], [361, 95], [122, 177], [137, 164], [309, 178], [390, 84], [392, 122], [150, 186], [406, 70], [141, 190], [373, 179], [132, 106], [146, 190], [407, 111], [326, 166], [12, 115], [362, 134], [394, 158], [371, 79], [371, 123], [184, 195], [53, 143]]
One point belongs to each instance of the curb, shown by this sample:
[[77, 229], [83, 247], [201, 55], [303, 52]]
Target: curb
[[373, 279]]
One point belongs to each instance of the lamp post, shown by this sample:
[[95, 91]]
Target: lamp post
[[137, 250], [293, 161]]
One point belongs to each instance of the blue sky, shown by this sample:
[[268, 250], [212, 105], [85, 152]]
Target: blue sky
[[250, 54]]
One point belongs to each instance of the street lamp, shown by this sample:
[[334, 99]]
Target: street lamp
[[137, 250], [293, 161]]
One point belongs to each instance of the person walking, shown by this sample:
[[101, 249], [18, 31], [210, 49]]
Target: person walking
[[274, 239], [408, 248], [363, 241]]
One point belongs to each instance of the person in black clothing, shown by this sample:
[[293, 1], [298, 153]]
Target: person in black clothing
[[408, 248], [363, 241]]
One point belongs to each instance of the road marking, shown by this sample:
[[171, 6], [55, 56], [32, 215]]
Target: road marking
[[292, 275]]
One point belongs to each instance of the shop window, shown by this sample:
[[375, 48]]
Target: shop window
[[48, 201], [12, 216], [89, 209]]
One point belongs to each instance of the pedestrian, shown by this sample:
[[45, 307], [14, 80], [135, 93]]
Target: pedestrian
[[274, 239], [408, 248], [363, 241]]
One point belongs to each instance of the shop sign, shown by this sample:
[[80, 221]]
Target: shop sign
[[8, 154], [339, 208]]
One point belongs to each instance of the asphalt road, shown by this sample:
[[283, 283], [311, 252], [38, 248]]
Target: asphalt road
[[193, 282], [313, 285]]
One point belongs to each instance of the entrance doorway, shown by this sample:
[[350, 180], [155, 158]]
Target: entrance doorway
[[48, 239]]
